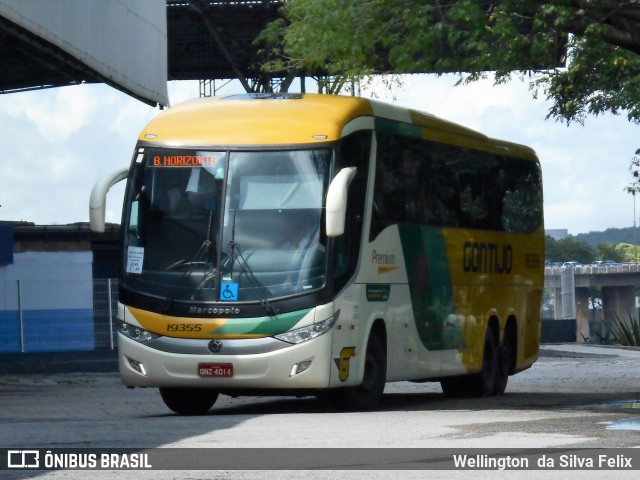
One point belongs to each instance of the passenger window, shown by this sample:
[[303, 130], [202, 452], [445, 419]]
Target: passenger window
[[436, 184]]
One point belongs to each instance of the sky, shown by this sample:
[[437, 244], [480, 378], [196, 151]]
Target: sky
[[56, 143]]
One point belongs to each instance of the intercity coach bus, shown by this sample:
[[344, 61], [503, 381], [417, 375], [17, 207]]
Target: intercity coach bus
[[324, 245]]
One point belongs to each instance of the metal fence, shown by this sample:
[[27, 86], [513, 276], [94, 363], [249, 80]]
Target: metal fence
[[63, 327], [105, 310]]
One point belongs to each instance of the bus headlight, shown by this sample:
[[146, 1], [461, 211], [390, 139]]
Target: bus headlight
[[303, 334], [136, 333]]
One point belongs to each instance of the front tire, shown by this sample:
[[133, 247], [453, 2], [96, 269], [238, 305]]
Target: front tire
[[368, 394], [189, 401]]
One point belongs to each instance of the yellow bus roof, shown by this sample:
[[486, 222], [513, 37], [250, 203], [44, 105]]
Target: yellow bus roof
[[284, 119], [256, 120]]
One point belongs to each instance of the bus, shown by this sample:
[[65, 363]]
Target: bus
[[324, 245]]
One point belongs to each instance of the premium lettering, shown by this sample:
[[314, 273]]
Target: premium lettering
[[383, 258]]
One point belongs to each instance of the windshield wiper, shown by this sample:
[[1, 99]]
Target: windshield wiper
[[262, 292], [201, 258]]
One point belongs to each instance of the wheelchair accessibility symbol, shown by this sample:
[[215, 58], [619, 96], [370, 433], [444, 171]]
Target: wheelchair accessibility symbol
[[228, 292]]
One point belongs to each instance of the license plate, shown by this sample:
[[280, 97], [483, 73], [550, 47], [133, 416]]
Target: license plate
[[215, 370]]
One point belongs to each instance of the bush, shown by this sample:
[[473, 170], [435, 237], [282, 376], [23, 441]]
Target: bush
[[626, 331]]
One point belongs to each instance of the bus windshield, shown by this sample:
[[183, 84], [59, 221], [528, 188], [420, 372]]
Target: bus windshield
[[210, 226]]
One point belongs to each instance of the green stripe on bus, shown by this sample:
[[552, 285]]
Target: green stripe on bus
[[262, 325], [398, 128], [432, 301]]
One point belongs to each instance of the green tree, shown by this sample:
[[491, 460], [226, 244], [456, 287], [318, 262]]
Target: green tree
[[634, 187], [522, 38], [628, 252], [568, 249], [609, 251]]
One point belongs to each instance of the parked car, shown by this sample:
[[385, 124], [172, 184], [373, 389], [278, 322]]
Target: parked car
[[549, 263], [572, 264], [604, 263]]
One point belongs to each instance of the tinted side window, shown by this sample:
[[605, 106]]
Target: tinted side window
[[522, 199], [431, 183], [389, 194], [354, 151]]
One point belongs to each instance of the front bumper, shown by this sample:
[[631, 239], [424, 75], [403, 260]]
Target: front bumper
[[266, 370]]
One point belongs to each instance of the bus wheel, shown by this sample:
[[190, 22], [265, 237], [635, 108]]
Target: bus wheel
[[483, 383], [368, 394], [504, 364], [189, 401], [455, 387]]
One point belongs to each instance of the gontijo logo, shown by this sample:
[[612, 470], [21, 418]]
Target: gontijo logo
[[479, 257]]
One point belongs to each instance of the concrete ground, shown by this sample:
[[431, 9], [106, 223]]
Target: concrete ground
[[574, 397]]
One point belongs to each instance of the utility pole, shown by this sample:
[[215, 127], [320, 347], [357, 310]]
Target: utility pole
[[634, 188]]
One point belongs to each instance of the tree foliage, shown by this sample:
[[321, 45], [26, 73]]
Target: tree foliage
[[573, 248], [634, 187], [568, 249], [626, 252], [610, 251], [525, 38], [610, 235]]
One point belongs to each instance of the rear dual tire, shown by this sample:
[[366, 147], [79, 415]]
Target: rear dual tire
[[492, 377]]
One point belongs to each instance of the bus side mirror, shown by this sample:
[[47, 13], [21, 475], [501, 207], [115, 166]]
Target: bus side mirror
[[337, 201], [98, 200]]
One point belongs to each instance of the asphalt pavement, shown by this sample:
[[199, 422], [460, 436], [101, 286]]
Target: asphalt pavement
[[576, 396]]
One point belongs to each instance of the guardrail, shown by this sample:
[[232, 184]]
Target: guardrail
[[596, 269]]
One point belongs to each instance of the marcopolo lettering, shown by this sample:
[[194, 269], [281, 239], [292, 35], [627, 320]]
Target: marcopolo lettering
[[214, 310], [487, 257]]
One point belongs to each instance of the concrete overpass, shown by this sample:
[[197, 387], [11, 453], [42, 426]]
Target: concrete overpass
[[618, 284]]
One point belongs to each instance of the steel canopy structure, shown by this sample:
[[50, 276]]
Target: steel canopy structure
[[142, 44], [214, 40]]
